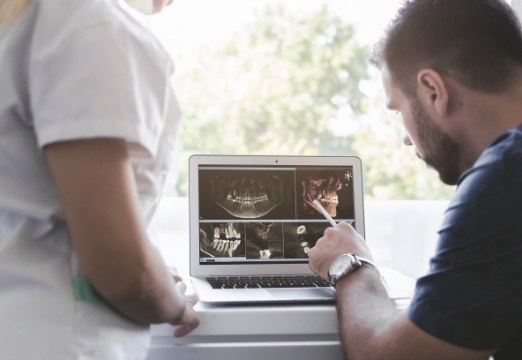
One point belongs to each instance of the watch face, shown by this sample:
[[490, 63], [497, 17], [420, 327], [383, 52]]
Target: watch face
[[341, 265]]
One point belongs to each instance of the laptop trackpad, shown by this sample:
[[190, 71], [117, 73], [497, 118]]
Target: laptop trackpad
[[317, 294]]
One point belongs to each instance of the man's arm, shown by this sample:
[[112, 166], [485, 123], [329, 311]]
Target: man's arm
[[370, 325], [98, 194]]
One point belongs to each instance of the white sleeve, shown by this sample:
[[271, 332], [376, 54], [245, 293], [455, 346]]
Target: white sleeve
[[101, 82]]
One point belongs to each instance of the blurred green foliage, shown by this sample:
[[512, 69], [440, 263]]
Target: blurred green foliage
[[292, 84]]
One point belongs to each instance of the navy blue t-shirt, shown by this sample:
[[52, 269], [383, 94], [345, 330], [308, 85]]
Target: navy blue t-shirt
[[472, 294]]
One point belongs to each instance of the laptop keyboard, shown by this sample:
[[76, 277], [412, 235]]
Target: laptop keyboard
[[256, 282]]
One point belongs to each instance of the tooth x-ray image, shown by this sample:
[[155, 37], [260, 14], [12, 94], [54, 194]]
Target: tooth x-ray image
[[246, 194], [267, 213], [264, 240], [222, 240], [301, 237], [333, 189]]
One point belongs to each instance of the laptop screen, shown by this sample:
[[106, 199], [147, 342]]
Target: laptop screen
[[264, 213]]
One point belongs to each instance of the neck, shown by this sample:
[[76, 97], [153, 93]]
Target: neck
[[486, 117]]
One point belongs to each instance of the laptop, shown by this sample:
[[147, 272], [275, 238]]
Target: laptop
[[252, 223]]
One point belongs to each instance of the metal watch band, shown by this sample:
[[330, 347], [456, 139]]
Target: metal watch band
[[364, 261], [358, 262]]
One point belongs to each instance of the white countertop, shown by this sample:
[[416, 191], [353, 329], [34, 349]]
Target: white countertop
[[253, 332]]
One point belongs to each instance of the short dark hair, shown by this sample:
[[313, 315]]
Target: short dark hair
[[476, 42]]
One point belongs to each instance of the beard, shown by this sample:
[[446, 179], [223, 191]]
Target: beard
[[440, 152]]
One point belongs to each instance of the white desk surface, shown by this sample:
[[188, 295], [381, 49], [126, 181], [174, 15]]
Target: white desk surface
[[254, 331], [278, 319]]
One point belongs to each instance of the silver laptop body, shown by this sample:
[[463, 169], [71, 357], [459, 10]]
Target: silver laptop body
[[251, 219]]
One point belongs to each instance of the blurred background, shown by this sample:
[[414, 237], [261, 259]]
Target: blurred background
[[293, 77]]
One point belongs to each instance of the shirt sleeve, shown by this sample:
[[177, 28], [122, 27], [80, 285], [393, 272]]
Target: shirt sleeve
[[471, 295], [103, 81]]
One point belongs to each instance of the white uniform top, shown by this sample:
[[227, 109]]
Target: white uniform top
[[72, 69]]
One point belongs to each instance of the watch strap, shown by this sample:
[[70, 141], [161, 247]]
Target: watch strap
[[364, 261], [358, 261]]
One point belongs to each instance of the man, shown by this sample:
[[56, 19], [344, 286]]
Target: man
[[453, 69]]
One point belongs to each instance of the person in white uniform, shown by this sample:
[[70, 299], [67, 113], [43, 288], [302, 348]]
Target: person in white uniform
[[88, 122]]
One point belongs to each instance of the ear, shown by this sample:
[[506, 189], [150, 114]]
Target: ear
[[432, 91]]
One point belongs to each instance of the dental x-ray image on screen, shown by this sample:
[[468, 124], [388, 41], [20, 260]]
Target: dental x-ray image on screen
[[333, 188], [264, 240], [247, 194], [300, 237], [252, 224], [222, 239], [264, 214]]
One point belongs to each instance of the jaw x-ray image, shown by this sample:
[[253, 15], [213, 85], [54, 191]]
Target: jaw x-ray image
[[246, 194], [222, 240], [333, 189], [264, 240], [301, 237]]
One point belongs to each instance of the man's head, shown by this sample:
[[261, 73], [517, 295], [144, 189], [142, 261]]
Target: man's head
[[474, 43]]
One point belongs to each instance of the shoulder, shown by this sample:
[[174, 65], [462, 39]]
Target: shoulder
[[74, 15], [504, 153], [467, 297], [487, 205], [496, 176], [57, 23]]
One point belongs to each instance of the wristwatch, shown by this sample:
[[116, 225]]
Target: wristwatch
[[345, 264]]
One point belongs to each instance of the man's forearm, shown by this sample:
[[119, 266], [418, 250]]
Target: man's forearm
[[365, 312]]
